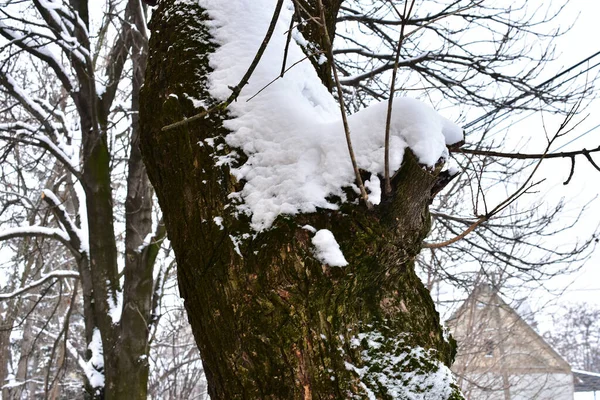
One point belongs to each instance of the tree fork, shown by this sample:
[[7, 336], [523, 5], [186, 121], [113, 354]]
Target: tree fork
[[271, 321]]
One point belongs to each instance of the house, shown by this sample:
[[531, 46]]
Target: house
[[587, 385], [500, 357]]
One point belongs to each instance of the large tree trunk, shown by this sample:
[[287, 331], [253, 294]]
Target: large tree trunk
[[270, 320]]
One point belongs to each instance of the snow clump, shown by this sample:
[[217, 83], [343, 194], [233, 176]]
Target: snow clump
[[328, 249], [292, 131]]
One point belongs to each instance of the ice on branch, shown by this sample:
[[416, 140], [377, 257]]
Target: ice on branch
[[292, 132]]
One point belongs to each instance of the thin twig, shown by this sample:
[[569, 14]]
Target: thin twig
[[522, 156], [455, 239], [287, 46], [571, 172], [308, 14], [329, 53], [235, 91], [282, 74], [522, 189], [388, 120]]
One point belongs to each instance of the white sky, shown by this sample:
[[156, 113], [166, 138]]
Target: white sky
[[583, 286], [585, 185]]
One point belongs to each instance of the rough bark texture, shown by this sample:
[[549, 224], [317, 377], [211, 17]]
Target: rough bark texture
[[270, 320]]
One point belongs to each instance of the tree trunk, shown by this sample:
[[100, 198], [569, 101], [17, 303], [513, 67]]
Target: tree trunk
[[271, 321], [132, 358], [124, 342]]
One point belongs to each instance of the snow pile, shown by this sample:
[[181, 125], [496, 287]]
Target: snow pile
[[292, 132], [327, 249]]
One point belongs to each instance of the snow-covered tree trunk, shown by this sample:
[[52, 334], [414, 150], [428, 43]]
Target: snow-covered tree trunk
[[271, 315]]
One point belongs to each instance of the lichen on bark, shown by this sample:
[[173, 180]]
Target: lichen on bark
[[271, 321]]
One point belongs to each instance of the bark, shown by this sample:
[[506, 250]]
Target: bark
[[270, 320]]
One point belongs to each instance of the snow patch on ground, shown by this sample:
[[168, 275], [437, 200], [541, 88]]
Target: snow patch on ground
[[292, 132]]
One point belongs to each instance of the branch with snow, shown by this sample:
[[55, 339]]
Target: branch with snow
[[27, 102], [39, 51], [34, 231], [92, 368], [77, 237], [68, 30], [29, 135], [304, 169], [50, 276], [51, 135]]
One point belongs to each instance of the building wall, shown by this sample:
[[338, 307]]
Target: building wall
[[540, 386], [500, 357]]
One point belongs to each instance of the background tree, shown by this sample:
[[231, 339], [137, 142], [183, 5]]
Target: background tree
[[575, 335], [82, 288], [269, 318]]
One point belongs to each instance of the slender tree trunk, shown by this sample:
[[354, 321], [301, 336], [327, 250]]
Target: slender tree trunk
[[125, 342], [8, 311], [132, 345], [270, 320]]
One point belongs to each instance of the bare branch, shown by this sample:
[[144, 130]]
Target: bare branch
[[329, 53], [388, 118], [39, 282]]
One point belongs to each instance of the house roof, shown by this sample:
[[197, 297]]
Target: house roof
[[585, 381], [485, 298]]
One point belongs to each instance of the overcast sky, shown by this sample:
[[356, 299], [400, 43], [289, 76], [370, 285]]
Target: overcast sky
[[584, 286], [578, 44]]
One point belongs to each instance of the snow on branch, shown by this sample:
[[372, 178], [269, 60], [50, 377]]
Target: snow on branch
[[28, 103], [308, 166], [39, 51], [28, 134], [50, 276], [66, 26], [90, 368], [77, 237], [35, 230]]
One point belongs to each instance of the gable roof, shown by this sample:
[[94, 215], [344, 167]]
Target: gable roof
[[493, 336]]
